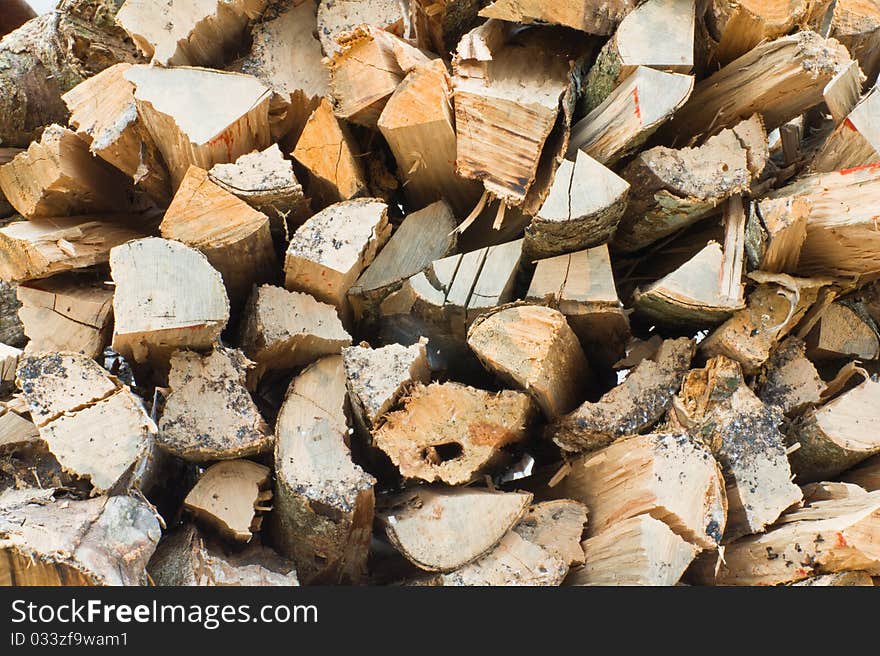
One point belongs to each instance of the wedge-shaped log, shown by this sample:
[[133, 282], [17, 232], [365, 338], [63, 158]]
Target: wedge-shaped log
[[673, 189], [229, 496], [234, 237], [776, 232], [378, 378], [167, 297], [66, 313], [209, 414], [582, 210], [9, 357], [855, 141], [837, 435], [330, 156], [98, 541], [778, 79], [533, 347], [716, 406], [58, 176], [266, 181], [631, 407], [424, 236], [637, 551], [822, 538], [330, 251], [324, 502], [856, 24], [185, 558], [43, 247], [630, 114], [418, 125], [284, 330], [94, 425], [439, 25], [200, 33], [103, 111], [588, 17], [428, 442], [581, 286], [789, 380], [339, 17], [201, 117], [635, 44], [431, 526], [843, 331]]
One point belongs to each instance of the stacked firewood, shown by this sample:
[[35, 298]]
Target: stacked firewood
[[440, 292]]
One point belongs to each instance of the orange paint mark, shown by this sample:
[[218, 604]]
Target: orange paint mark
[[636, 101], [849, 124], [801, 572], [841, 541], [226, 138], [865, 167]]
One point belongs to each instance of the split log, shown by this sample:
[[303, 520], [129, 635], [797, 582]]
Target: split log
[[789, 380], [855, 141], [427, 442], [9, 357], [438, 25], [841, 579], [330, 156], [856, 24], [631, 407], [671, 477], [201, 117], [866, 474], [95, 426], [377, 378], [509, 112], [776, 232], [266, 181], [742, 25], [52, 542], [828, 491], [167, 297], [673, 189], [835, 436], [365, 70], [58, 176], [772, 311], [25, 460], [66, 313], [637, 551], [822, 538], [454, 291], [533, 348], [340, 17], [209, 414], [188, 34], [103, 111], [581, 286], [842, 333], [11, 330], [44, 247], [15, 14], [556, 526], [630, 114], [587, 17], [582, 210], [324, 502], [233, 236], [185, 558], [717, 407], [229, 496], [285, 330], [48, 56], [431, 527], [779, 80], [635, 44], [330, 251], [418, 125], [423, 236]]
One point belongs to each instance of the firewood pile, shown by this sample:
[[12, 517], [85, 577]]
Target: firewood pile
[[440, 292]]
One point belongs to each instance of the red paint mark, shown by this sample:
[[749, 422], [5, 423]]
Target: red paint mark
[[636, 101], [226, 138], [866, 167], [801, 572], [850, 125], [841, 542]]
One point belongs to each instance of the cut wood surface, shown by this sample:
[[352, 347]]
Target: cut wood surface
[[533, 348], [199, 33], [430, 526], [631, 407], [671, 477], [339, 17], [856, 24], [855, 141], [438, 25], [428, 443], [209, 414], [167, 297], [594, 19], [9, 357], [234, 237], [789, 380], [841, 332], [98, 541], [776, 233], [66, 313], [324, 501]]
